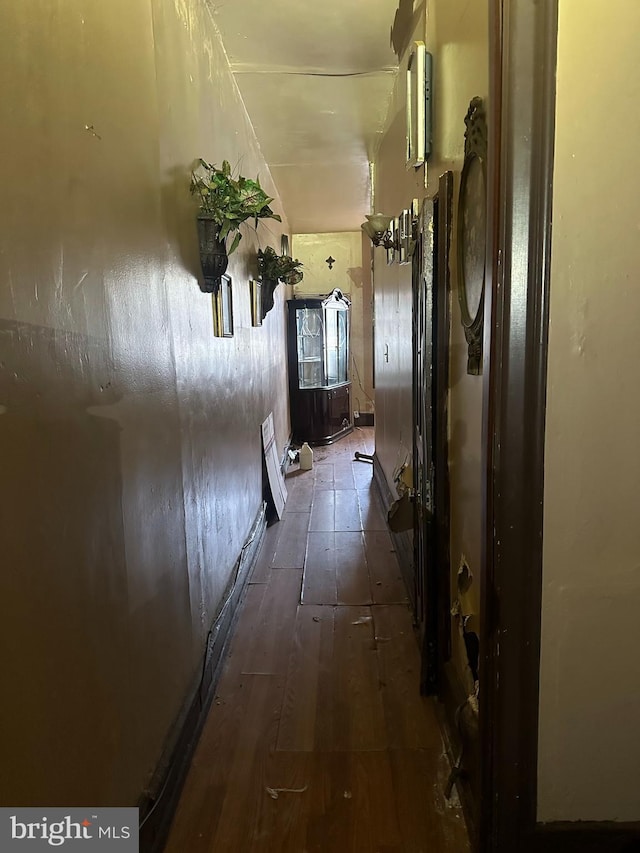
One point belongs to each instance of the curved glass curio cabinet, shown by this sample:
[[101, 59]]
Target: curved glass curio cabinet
[[319, 385]]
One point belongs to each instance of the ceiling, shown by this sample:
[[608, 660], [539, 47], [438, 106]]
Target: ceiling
[[316, 80]]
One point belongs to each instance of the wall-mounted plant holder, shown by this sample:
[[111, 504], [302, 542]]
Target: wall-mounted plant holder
[[273, 269], [268, 288], [225, 202], [418, 106], [255, 288], [222, 301], [213, 255]]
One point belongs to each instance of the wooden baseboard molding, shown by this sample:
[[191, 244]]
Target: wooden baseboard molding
[[364, 419], [585, 837], [450, 699], [402, 542], [157, 805]]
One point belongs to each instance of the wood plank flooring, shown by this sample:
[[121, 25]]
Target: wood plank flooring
[[318, 738]]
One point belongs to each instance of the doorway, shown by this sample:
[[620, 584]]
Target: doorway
[[431, 286]]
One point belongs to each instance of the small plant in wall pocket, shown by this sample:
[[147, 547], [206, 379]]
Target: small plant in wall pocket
[[225, 203], [273, 269]]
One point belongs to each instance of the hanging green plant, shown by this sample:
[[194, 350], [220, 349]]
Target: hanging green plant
[[274, 267], [228, 201]]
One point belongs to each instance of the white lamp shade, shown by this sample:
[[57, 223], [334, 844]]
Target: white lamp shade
[[379, 221], [369, 230]]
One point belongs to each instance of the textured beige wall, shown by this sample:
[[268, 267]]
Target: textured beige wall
[[395, 188], [589, 749], [457, 38], [129, 435], [353, 277]]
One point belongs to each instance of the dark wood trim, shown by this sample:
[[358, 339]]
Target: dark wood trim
[[364, 419], [444, 218], [423, 345], [586, 837], [402, 542], [523, 37], [482, 838], [158, 804], [435, 276], [451, 697]]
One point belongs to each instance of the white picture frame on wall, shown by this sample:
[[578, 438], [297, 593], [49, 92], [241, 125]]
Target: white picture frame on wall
[[255, 288], [222, 300], [404, 241], [418, 105]]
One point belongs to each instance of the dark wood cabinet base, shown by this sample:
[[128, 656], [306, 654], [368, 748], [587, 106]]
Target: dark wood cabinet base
[[321, 415], [336, 437]]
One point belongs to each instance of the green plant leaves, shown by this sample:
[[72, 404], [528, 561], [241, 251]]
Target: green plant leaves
[[229, 201], [274, 267], [234, 245]]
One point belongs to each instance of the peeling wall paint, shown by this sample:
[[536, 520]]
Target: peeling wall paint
[[130, 436]]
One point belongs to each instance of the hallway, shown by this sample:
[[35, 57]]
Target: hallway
[[318, 739]]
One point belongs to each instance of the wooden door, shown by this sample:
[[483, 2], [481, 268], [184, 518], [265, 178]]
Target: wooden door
[[430, 463]]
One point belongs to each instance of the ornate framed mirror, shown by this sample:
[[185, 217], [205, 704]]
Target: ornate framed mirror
[[471, 232]]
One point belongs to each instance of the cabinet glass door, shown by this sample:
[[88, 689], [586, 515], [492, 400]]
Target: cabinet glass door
[[337, 346], [310, 334], [332, 347], [343, 345]]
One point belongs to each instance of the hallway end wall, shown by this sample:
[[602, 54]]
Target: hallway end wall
[[351, 272], [130, 435]]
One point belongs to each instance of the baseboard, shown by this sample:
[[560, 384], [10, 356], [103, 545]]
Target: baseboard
[[158, 804], [585, 837], [402, 542], [364, 419], [451, 697]]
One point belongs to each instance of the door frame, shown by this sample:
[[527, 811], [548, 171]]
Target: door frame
[[522, 101], [523, 39], [442, 318]]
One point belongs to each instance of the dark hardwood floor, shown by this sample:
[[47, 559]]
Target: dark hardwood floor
[[318, 739]]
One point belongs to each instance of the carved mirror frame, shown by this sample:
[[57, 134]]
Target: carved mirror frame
[[471, 232]]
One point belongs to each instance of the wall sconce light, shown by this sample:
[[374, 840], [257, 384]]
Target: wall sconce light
[[377, 230]]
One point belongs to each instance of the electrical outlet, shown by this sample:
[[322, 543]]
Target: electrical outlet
[[356, 414]]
